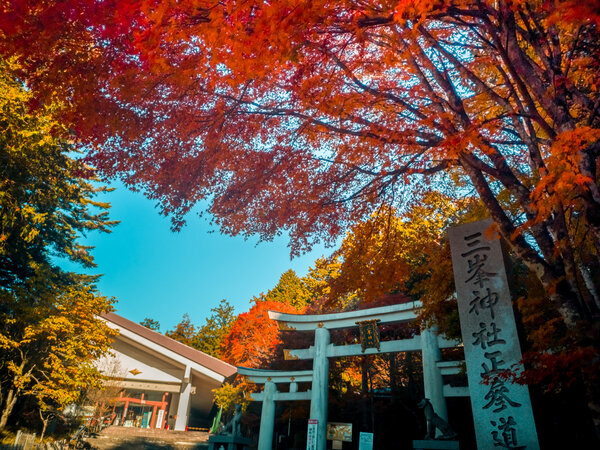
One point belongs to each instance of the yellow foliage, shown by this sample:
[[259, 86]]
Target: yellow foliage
[[50, 347], [228, 395]]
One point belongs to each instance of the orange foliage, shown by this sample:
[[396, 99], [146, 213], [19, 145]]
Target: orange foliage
[[253, 337], [307, 116]]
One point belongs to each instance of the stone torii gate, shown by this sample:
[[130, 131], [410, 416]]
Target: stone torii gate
[[270, 379], [428, 343]]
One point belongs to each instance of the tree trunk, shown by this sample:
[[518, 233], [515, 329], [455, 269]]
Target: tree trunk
[[45, 422], [372, 408], [9, 404], [588, 280], [550, 273], [393, 377], [364, 392], [593, 402]]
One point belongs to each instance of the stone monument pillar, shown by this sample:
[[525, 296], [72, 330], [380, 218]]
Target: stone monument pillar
[[502, 412]]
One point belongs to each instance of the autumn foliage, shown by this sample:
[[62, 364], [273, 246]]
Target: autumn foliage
[[253, 337], [329, 109], [310, 116], [50, 330]]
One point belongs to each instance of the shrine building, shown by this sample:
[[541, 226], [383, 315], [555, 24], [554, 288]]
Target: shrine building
[[161, 383]]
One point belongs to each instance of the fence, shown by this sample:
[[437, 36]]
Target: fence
[[26, 441], [46, 446]]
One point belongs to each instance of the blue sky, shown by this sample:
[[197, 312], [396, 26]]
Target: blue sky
[[154, 272]]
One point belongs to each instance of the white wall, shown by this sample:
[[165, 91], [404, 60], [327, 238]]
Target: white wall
[[151, 368]]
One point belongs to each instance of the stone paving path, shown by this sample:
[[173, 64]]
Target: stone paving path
[[124, 438]]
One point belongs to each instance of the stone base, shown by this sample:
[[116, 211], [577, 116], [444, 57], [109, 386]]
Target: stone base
[[432, 444], [228, 442]]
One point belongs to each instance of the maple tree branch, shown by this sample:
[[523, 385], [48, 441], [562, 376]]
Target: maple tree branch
[[572, 51], [368, 22], [372, 91], [436, 99], [344, 131], [529, 134], [563, 86], [551, 57], [507, 228], [535, 38], [502, 170], [474, 27], [352, 166], [454, 101], [529, 70], [483, 87], [407, 169], [505, 175], [500, 48], [260, 109], [382, 180], [551, 39], [442, 165], [428, 139]]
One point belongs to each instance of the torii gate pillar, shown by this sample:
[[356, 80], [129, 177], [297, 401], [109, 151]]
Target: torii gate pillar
[[267, 417], [432, 376], [320, 386], [428, 343], [270, 395]]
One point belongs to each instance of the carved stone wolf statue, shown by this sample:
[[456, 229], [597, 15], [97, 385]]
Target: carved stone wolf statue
[[233, 427], [435, 422]]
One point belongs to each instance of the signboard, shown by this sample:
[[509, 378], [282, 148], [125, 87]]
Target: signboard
[[311, 434], [369, 334], [339, 431], [159, 418], [146, 419], [365, 441], [501, 410]]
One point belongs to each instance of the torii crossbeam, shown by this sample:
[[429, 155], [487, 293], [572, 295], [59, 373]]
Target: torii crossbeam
[[427, 342]]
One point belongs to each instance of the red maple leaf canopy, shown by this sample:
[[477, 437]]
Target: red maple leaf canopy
[[307, 116]]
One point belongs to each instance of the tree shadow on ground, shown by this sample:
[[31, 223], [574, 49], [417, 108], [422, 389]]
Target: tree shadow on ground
[[143, 444]]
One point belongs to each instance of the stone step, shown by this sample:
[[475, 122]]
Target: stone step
[[122, 438]]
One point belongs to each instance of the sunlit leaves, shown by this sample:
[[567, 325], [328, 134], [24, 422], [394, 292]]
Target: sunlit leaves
[[45, 193], [50, 332], [209, 337], [50, 337], [184, 331], [308, 117], [253, 337]]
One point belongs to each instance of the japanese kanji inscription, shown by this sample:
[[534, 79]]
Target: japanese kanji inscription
[[501, 409], [369, 334]]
